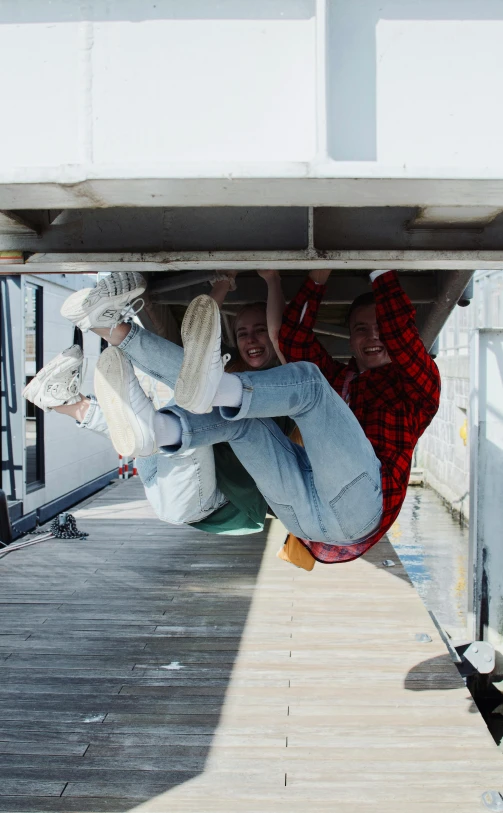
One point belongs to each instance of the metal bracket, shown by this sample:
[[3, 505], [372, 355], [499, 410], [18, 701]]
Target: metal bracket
[[482, 657]]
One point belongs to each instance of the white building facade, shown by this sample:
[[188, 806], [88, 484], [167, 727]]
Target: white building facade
[[48, 463], [444, 449]]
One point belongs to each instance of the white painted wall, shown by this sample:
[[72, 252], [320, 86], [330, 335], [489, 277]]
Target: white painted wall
[[441, 451], [73, 456], [485, 602], [230, 89], [412, 85]]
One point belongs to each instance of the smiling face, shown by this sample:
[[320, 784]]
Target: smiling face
[[252, 338], [366, 346]]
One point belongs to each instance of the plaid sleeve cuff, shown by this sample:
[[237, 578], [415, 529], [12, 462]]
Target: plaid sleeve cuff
[[309, 295], [383, 280], [313, 290]]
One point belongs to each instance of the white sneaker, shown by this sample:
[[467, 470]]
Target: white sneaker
[[108, 304], [128, 412], [57, 383], [202, 366]]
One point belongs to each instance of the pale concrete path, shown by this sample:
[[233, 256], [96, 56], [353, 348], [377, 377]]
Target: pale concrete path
[[161, 670]]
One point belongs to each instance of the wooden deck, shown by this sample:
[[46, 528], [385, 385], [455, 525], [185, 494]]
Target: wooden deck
[[157, 669]]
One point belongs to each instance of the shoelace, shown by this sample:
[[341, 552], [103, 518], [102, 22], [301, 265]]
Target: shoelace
[[129, 311], [74, 386], [71, 389]]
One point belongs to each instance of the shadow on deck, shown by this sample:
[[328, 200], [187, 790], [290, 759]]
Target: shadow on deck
[[115, 656]]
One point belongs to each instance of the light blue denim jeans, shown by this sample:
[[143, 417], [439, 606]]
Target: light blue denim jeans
[[330, 490], [181, 488]]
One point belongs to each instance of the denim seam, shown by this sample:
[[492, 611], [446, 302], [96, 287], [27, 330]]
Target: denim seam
[[290, 508], [336, 499], [132, 333], [316, 503], [199, 484], [352, 483]]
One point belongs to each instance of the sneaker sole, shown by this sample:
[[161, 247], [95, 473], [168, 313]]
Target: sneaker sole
[[111, 388], [204, 314], [73, 311]]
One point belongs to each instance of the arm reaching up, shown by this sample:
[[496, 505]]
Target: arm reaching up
[[221, 284], [320, 275], [397, 328], [297, 339], [275, 307]]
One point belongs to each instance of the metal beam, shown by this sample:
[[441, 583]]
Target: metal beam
[[168, 262], [14, 223], [176, 281], [327, 329], [319, 183], [340, 290], [451, 287]]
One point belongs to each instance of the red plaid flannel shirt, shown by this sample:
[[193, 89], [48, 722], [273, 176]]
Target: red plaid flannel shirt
[[393, 403]]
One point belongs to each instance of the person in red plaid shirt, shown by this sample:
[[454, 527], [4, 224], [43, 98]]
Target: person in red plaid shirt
[[391, 384]]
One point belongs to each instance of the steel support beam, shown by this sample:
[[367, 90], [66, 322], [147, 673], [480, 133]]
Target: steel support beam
[[325, 183], [451, 288], [15, 223], [341, 289], [356, 260]]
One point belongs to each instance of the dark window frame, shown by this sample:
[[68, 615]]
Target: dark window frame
[[35, 485]]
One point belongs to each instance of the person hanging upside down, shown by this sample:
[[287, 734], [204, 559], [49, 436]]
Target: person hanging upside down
[[206, 487]]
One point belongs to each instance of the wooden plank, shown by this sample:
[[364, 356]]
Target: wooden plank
[[172, 656], [30, 786], [44, 804]]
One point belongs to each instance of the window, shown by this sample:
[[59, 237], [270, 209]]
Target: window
[[34, 420]]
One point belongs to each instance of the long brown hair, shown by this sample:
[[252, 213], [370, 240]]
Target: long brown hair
[[239, 365]]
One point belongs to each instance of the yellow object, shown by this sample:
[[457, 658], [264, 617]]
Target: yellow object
[[294, 552], [11, 257], [463, 432]]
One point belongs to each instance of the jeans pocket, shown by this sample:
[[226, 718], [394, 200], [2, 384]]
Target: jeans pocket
[[358, 507], [288, 517]]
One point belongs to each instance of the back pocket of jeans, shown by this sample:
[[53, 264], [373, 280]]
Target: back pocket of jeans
[[288, 517], [358, 506]]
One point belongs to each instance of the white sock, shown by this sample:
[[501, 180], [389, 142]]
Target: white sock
[[167, 429], [229, 392]]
